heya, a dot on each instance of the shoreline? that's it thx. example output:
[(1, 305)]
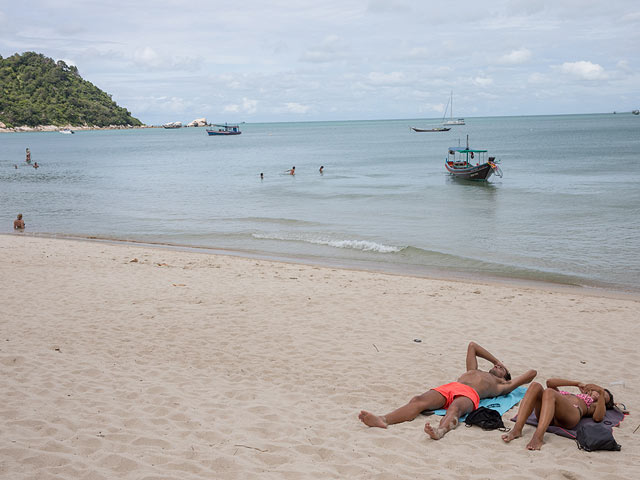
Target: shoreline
[(402, 270), (57, 128)]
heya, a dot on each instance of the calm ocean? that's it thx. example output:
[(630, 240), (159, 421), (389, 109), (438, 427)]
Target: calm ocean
[(567, 209)]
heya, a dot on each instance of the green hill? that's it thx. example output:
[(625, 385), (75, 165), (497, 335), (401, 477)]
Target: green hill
[(36, 90)]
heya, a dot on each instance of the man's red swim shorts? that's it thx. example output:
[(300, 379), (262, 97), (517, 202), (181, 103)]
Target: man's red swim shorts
[(456, 389)]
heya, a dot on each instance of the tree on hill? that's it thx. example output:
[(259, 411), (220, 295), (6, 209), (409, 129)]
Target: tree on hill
[(36, 90)]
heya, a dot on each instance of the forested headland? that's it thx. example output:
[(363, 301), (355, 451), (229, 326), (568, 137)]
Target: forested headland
[(36, 90)]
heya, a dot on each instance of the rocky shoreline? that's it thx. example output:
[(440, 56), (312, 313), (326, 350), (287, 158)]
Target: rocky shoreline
[(57, 128)]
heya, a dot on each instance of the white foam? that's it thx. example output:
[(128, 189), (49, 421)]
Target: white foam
[(363, 245)]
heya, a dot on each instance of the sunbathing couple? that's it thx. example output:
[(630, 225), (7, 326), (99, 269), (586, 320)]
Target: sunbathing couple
[(459, 398)]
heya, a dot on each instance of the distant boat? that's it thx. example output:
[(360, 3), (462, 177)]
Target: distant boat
[(460, 163), (173, 125), (434, 129), (224, 130), (67, 131), (635, 112), (451, 121)]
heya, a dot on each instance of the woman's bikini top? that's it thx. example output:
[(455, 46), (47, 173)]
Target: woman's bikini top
[(582, 396)]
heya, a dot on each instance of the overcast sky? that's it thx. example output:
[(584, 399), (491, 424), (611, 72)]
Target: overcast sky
[(294, 60)]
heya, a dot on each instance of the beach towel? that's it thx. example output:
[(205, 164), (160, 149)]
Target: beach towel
[(612, 418), (501, 404)]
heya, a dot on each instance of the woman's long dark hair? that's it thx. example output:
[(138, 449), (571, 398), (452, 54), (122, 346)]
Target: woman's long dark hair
[(610, 403)]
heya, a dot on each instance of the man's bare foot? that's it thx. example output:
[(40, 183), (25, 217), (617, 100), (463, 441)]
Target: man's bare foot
[(512, 435), (372, 420), (535, 444), (438, 433), (435, 433)]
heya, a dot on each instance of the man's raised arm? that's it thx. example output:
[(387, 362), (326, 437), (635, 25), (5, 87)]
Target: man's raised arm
[(473, 351)]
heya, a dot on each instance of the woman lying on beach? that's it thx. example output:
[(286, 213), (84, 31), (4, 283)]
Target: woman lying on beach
[(559, 408)]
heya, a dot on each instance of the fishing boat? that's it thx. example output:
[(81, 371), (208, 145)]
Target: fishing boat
[(434, 129), (471, 164), (67, 131), (451, 121), (224, 130)]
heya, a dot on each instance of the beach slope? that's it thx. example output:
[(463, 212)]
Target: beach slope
[(128, 362)]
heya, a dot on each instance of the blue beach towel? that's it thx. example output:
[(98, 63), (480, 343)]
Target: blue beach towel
[(501, 404)]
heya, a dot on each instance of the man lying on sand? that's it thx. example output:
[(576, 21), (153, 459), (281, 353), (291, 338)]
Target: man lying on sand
[(459, 398)]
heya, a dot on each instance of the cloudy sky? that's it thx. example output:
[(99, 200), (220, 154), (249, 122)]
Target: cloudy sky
[(295, 60)]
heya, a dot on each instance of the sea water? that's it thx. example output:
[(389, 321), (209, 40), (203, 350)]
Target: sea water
[(567, 209)]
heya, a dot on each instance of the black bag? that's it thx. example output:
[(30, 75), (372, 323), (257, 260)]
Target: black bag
[(486, 418), (595, 436)]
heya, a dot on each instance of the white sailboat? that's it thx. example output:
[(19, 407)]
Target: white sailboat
[(451, 121)]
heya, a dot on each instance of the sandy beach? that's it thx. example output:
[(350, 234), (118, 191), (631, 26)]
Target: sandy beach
[(129, 362)]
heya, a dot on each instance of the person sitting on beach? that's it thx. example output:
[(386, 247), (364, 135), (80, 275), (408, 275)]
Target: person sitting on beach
[(559, 408), (292, 171), (18, 223), (459, 398)]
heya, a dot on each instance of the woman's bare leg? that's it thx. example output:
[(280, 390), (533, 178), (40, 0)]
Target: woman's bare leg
[(532, 400), (430, 400), (554, 407)]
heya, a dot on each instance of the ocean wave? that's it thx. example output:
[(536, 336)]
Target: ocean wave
[(271, 220), (362, 245)]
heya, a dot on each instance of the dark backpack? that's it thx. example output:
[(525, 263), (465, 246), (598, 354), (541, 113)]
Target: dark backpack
[(595, 436), (485, 418)]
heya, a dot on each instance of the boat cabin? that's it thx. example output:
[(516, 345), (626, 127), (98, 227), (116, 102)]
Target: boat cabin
[(466, 157)]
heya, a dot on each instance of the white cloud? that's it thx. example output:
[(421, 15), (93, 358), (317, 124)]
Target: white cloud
[(584, 70), (147, 57), (483, 81), (631, 17), (388, 6), (515, 57), (247, 106), (624, 66), (332, 48), (294, 107), (386, 79), (537, 78)]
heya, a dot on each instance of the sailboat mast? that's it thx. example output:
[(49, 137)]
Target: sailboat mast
[(451, 104)]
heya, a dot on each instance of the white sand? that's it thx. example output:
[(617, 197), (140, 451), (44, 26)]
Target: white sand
[(197, 366)]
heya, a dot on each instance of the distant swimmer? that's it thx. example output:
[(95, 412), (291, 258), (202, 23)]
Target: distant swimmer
[(18, 223), (321, 169), (15, 166), (35, 165), (292, 171), (261, 176), (28, 159)]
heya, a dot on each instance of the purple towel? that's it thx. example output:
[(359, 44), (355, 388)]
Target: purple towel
[(611, 419)]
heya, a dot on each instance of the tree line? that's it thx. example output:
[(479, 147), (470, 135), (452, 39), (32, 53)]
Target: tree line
[(37, 90)]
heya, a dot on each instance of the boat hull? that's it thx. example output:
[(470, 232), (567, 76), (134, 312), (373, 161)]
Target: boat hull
[(436, 129), (478, 172), (222, 133)]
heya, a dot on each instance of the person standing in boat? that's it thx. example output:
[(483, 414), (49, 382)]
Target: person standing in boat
[(28, 159)]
